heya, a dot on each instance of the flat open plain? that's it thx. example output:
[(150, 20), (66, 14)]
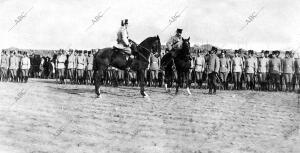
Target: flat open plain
[(43, 117)]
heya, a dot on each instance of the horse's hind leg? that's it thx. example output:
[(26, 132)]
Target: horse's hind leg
[(97, 83), (188, 79), (178, 80), (142, 83)]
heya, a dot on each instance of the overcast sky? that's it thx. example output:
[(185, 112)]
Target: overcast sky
[(54, 24)]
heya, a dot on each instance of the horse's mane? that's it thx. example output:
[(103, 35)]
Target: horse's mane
[(147, 40)]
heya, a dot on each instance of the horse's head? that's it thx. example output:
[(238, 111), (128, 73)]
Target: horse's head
[(186, 46), (150, 45), (156, 45)]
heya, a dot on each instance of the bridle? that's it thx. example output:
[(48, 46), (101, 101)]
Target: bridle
[(149, 51)]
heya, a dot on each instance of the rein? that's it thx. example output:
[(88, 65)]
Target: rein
[(139, 45)]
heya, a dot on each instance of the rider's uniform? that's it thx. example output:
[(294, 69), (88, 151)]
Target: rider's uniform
[(123, 40)]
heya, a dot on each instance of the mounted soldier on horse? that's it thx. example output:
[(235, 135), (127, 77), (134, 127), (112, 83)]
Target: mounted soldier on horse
[(177, 61), (126, 55)]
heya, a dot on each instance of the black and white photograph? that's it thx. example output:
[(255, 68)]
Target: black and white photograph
[(149, 76)]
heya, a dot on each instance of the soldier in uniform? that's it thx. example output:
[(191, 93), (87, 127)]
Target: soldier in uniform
[(275, 71), (60, 63), (13, 66), (175, 43), (199, 68), (263, 70), (213, 65), (192, 71), (19, 71), (41, 67), (85, 55), (75, 69), (288, 69), (81, 63), (236, 69), (297, 71), (4, 65), (154, 68), (90, 72), (25, 66), (250, 70), (71, 66), (224, 69), (123, 41)]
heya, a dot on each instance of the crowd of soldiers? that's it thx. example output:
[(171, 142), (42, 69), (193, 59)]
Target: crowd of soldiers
[(14, 67), (267, 72), (264, 71)]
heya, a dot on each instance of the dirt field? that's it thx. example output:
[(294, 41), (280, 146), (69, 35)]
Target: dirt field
[(43, 117)]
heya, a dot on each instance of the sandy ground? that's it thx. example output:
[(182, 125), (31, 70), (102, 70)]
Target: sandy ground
[(43, 117)]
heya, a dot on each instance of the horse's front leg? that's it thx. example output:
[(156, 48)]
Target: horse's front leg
[(142, 82), (178, 81), (188, 78), (97, 83)]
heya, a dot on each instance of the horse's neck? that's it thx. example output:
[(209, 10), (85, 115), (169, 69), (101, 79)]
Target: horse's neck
[(145, 50)]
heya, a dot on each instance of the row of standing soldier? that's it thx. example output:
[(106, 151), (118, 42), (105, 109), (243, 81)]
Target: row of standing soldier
[(268, 72), (14, 67)]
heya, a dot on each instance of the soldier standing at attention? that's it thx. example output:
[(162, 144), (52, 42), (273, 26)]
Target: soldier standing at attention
[(154, 68), (75, 67), (250, 70), (263, 70), (199, 68), (19, 71), (275, 71), (236, 69), (4, 66), (224, 69), (192, 71), (297, 71), (80, 66), (25, 66), (13, 66), (71, 66), (60, 62), (213, 65), (85, 67), (90, 74), (288, 69)]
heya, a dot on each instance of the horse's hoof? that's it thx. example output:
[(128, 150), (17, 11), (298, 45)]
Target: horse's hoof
[(145, 95), (189, 92), (99, 96)]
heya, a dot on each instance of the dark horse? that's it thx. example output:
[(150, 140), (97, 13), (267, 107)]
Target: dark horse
[(181, 59), (115, 57)]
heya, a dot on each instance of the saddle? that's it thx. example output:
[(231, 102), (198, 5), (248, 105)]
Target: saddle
[(122, 49)]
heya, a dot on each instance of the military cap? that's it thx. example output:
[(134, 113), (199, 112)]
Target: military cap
[(250, 51), (287, 52), (179, 30), (266, 52), (223, 51), (214, 48), (125, 21), (278, 52)]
